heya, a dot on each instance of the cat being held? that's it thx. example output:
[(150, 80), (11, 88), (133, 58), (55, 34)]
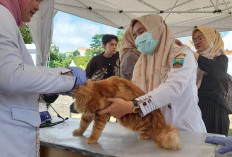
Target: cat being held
[(91, 98)]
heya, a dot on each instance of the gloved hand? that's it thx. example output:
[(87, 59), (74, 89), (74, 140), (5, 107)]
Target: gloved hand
[(226, 142), (79, 74)]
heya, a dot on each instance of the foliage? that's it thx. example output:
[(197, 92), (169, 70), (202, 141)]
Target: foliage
[(97, 47), (120, 34), (26, 34), (58, 59), (93, 51), (76, 53), (96, 41), (61, 60), (81, 61)]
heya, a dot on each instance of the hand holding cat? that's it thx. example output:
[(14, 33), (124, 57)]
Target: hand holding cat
[(118, 107)]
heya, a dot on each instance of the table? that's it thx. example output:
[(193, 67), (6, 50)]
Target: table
[(117, 141)]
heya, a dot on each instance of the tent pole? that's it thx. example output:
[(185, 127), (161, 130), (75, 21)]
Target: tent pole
[(177, 5), (213, 5), (149, 5), (217, 5)]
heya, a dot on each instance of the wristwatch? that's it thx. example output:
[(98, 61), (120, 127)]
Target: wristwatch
[(136, 108)]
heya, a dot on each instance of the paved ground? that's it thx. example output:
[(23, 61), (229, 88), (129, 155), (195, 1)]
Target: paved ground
[(61, 105)]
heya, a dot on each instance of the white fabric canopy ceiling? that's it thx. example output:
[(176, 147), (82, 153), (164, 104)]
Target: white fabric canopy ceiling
[(180, 15)]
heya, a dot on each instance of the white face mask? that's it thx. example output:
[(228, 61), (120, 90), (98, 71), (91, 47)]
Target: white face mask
[(206, 50), (146, 44)]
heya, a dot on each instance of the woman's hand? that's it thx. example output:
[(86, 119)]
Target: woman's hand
[(225, 142), (118, 107)]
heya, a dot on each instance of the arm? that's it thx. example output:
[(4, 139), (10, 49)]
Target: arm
[(167, 92), (172, 88), (216, 68), (17, 76)]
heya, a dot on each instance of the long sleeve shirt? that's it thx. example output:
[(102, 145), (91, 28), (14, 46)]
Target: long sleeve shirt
[(177, 97), (21, 83), (215, 77)]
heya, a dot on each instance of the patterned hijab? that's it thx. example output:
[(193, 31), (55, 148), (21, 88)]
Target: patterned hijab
[(15, 7), (215, 41), (151, 71)]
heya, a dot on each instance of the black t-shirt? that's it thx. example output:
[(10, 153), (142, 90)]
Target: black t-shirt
[(100, 67)]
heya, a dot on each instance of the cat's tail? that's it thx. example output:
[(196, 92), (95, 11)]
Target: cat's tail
[(168, 138)]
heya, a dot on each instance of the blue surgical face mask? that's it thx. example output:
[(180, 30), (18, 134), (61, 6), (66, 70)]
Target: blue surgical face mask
[(146, 44)]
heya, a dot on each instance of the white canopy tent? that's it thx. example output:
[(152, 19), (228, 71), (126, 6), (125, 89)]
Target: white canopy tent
[(181, 15)]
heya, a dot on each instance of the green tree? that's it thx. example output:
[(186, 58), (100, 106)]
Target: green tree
[(58, 59), (96, 41), (26, 34), (120, 34), (81, 61), (94, 51), (96, 46), (76, 53)]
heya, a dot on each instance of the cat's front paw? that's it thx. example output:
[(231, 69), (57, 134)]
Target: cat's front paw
[(77, 132), (91, 140), (144, 136)]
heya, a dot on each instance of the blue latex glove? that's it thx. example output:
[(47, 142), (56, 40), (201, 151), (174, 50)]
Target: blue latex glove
[(79, 74), (225, 142)]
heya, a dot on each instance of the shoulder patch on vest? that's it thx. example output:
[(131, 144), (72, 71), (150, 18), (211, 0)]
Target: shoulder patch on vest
[(179, 60)]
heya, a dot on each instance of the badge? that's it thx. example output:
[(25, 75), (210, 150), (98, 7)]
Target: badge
[(179, 60), (178, 63)]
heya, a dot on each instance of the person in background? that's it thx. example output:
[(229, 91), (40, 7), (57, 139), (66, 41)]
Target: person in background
[(21, 82), (105, 64), (128, 55), (166, 72), (211, 79)]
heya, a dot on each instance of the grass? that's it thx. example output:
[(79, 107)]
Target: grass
[(230, 128), (230, 132)]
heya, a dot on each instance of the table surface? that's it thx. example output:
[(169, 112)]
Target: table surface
[(118, 141)]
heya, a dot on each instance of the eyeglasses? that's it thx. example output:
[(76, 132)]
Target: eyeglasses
[(198, 39)]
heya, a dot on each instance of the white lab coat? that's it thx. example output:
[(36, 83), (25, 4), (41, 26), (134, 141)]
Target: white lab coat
[(177, 97), (20, 85)]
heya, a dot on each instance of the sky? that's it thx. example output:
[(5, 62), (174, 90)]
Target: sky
[(71, 32)]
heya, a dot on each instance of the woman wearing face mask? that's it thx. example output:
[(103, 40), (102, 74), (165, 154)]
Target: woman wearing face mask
[(21, 82), (166, 72), (211, 79)]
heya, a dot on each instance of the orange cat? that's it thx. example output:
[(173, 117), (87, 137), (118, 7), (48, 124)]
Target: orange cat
[(91, 98)]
